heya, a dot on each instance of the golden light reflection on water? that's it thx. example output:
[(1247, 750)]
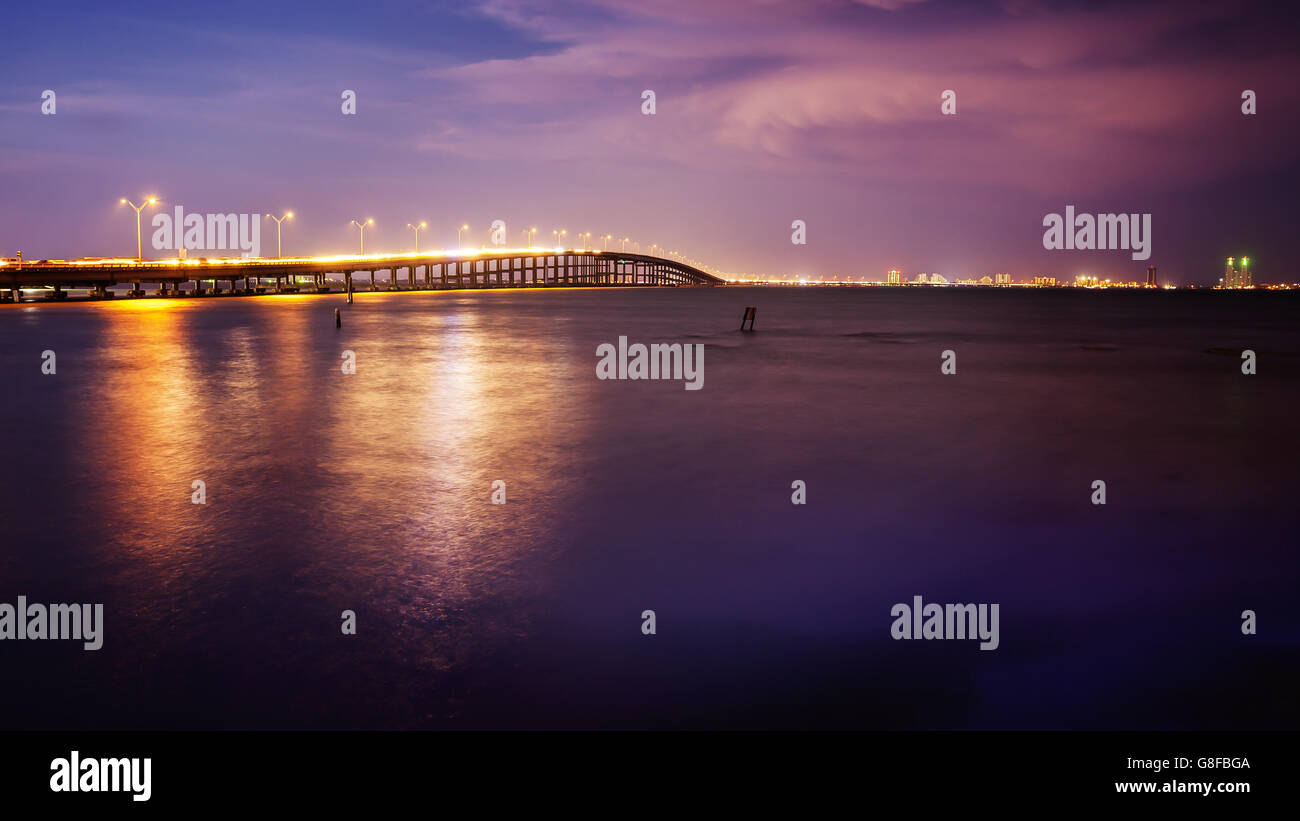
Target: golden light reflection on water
[(442, 405), (369, 490), (144, 398)]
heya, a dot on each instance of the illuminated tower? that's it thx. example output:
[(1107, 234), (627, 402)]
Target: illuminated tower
[(1237, 274), (1151, 276)]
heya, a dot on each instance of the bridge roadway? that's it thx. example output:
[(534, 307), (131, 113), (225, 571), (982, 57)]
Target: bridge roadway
[(520, 268)]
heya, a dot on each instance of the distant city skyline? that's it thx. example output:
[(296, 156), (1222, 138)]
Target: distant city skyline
[(531, 113)]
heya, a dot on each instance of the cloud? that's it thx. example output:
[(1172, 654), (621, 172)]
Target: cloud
[(1046, 101)]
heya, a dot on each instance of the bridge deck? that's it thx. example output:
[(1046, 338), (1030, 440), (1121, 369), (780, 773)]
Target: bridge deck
[(498, 269)]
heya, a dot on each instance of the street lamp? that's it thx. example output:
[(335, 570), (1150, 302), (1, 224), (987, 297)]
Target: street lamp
[(416, 229), (362, 226), (559, 234), (608, 237), (138, 209), (622, 244), (287, 216), (531, 231), (458, 230), (587, 241)]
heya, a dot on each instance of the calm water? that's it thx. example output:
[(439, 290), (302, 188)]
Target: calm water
[(371, 492)]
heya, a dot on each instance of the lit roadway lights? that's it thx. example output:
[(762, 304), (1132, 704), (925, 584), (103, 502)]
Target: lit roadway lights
[(362, 226), (138, 209), (458, 230), (131, 262), (213, 262), (288, 215), (416, 229)]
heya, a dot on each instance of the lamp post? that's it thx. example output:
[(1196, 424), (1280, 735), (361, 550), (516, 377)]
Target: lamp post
[(416, 229), (559, 234), (287, 216), (362, 226), (458, 230), (138, 209)]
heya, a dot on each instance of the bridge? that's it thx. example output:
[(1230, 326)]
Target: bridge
[(519, 268)]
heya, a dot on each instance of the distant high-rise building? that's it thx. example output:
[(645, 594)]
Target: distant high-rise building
[(894, 277), (920, 279), (1002, 279), (1151, 276), (1237, 274)]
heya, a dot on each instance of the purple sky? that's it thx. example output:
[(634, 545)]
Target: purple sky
[(767, 112)]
